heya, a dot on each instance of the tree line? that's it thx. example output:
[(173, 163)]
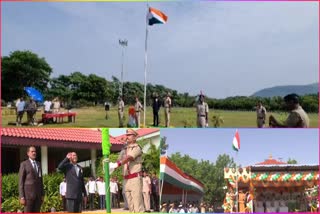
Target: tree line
[(210, 174), (25, 68)]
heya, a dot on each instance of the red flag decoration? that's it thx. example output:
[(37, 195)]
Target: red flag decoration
[(156, 17), (236, 141)]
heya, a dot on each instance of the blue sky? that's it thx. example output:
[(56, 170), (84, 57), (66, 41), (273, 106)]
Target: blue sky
[(256, 145), (117, 132), (222, 48)]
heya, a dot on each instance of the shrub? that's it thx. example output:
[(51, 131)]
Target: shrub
[(10, 186), (10, 192), (11, 204), (51, 201)]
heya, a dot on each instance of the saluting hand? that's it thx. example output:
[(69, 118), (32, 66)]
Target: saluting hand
[(69, 155)]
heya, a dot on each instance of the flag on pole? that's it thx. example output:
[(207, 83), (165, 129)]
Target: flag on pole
[(156, 17), (236, 141)]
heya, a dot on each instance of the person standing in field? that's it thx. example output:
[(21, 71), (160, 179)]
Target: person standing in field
[(261, 115), (202, 109), (167, 109)]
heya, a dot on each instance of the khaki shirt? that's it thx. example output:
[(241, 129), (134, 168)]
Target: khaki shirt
[(121, 106), (261, 113), (146, 184), (297, 118), (134, 166), (202, 109), (137, 106), (167, 102)]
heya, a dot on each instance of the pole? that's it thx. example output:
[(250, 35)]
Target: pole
[(124, 44), (237, 195), (145, 74), (121, 85), (106, 152), (161, 188)]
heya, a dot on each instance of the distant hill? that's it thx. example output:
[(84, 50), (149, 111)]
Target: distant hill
[(287, 89)]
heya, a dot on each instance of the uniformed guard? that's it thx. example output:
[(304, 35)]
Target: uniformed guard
[(167, 109), (261, 115), (121, 111), (132, 172), (202, 112), (297, 117), (138, 108)]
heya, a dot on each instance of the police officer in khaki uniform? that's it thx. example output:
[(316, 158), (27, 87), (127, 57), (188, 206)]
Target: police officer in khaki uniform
[(121, 112), (202, 112), (138, 108), (167, 109), (261, 115), (132, 172), (297, 118)]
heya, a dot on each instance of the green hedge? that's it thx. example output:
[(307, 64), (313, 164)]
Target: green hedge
[(10, 193)]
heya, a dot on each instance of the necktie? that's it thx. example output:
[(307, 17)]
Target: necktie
[(35, 166), (77, 170)]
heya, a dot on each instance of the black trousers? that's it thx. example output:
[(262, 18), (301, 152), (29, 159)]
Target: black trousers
[(114, 200), (102, 202), (64, 203), (155, 118), (155, 198), (74, 205), (91, 201), (33, 206)]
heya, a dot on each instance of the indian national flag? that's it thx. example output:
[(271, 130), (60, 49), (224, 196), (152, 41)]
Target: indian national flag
[(236, 141), (156, 17)]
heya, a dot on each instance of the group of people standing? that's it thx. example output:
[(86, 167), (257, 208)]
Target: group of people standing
[(202, 110), (30, 107), (138, 108), (297, 117)]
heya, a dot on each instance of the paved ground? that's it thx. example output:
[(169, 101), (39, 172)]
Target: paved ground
[(121, 210)]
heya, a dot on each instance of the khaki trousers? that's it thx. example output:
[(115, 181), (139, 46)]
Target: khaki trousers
[(167, 116), (134, 194)]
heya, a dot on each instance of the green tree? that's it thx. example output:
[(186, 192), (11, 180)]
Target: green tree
[(210, 174), (21, 69), (292, 161)]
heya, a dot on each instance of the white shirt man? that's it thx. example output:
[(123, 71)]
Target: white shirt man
[(114, 192), (101, 188), (92, 190), (63, 188), (62, 191), (47, 106)]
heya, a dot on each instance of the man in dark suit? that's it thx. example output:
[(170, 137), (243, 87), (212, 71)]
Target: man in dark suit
[(31, 191), (75, 182), (156, 107)]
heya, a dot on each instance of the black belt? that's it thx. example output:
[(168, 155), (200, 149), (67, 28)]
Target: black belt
[(202, 115), (137, 111)]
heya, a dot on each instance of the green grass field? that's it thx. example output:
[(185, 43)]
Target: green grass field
[(180, 117)]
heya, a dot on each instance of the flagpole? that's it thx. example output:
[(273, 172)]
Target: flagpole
[(145, 73), (237, 183)]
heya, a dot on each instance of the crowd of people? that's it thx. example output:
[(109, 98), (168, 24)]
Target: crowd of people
[(189, 207), (30, 107)]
